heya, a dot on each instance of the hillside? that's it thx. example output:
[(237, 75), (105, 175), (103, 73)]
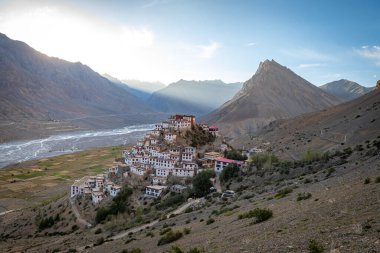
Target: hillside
[(42, 90), (347, 124), (195, 97), (345, 89), (274, 92), (330, 202)]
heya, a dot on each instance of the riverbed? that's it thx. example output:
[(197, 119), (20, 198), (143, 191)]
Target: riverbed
[(21, 151)]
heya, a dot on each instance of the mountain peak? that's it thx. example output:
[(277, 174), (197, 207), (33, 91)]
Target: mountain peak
[(269, 65)]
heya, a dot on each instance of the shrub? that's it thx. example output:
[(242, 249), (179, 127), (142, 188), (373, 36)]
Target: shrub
[(263, 160), (310, 156), (170, 201), (283, 193), (177, 249), (134, 250), (303, 196), (186, 231), (169, 237), (165, 230), (367, 180), (330, 171), (98, 231), (377, 180), (46, 223), (99, 241), (258, 213), (210, 221), (235, 155), (315, 247)]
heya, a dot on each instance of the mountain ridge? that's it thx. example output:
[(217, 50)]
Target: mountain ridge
[(345, 89), (274, 92)]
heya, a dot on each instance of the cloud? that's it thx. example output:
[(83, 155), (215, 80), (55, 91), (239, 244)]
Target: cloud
[(208, 51), (370, 53), (309, 65), (251, 44), (307, 54)]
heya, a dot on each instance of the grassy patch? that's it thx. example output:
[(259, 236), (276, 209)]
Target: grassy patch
[(283, 193), (259, 214)]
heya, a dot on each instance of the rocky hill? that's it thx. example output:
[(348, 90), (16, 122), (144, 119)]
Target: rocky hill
[(274, 92), (345, 89), (195, 97), (35, 87), (347, 124)]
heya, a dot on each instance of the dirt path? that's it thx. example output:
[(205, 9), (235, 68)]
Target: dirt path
[(217, 185), (77, 214), (142, 227)]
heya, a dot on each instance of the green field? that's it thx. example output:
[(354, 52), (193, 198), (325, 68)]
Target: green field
[(33, 182)]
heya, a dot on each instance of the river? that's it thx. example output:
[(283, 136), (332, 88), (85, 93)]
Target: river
[(21, 151)]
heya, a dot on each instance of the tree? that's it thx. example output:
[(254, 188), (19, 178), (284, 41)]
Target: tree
[(235, 155), (230, 171), (202, 183)]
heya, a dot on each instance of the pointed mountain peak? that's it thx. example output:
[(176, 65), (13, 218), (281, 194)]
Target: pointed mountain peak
[(269, 65)]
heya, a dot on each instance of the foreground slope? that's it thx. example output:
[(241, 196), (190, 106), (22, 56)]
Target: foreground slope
[(196, 97), (35, 87), (274, 92), (345, 89)]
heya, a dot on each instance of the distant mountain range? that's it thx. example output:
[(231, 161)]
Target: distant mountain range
[(37, 87), (345, 89), (196, 97), (274, 92), (136, 91)]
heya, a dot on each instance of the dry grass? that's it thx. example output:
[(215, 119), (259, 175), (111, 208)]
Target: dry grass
[(34, 181)]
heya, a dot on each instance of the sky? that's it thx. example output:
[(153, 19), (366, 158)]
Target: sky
[(168, 40)]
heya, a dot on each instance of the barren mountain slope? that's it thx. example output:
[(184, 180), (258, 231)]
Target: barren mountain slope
[(346, 89), (346, 124), (274, 92)]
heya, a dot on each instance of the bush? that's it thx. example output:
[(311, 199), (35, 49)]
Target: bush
[(177, 249), (186, 231), (165, 230), (235, 155), (303, 196), (210, 221), (134, 250), (98, 231), (230, 171), (169, 237), (367, 180), (377, 180), (170, 201), (99, 241), (258, 213), (264, 160), (283, 193), (315, 247), (310, 156), (330, 171), (46, 223)]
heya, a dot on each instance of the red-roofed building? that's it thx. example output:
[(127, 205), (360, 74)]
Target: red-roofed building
[(214, 130), (221, 163)]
